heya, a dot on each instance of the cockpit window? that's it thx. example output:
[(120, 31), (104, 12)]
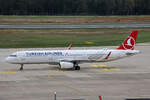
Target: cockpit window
[(13, 55)]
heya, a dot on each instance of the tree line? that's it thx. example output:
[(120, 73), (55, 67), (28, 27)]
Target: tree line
[(74, 7)]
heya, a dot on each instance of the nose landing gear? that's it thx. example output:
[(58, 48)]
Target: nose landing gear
[(21, 68)]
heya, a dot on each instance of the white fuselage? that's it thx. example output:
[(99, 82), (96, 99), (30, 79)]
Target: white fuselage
[(57, 56)]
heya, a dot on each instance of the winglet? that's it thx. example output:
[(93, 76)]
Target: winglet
[(129, 43), (70, 46)]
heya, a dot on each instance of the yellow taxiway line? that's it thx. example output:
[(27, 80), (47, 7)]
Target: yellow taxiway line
[(59, 71), (106, 67), (111, 69), (9, 72), (100, 66)]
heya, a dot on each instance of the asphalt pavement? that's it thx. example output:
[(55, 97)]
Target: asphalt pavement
[(116, 80), (76, 26)]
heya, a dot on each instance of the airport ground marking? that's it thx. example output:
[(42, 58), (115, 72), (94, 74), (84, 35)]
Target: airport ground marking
[(106, 67), (9, 72), (100, 66), (59, 71), (111, 69)]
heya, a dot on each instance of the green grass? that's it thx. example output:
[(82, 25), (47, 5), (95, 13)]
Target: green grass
[(36, 40)]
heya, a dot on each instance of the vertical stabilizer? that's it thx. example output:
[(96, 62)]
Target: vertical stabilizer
[(129, 43)]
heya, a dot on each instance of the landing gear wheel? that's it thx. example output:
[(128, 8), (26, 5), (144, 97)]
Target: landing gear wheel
[(77, 67), (21, 68)]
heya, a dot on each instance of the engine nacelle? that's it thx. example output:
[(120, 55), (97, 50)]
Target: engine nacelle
[(66, 64)]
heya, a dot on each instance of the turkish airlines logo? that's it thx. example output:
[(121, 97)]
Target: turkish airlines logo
[(129, 43)]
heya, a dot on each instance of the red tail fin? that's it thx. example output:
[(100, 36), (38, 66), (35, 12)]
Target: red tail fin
[(129, 43)]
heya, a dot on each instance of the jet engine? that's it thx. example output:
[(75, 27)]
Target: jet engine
[(66, 65)]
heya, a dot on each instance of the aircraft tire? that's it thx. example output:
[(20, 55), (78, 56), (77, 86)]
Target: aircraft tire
[(77, 67), (21, 68)]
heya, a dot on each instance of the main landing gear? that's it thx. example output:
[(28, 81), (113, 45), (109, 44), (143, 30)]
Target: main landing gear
[(21, 68), (76, 66)]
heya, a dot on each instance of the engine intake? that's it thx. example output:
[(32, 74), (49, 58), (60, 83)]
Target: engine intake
[(66, 65)]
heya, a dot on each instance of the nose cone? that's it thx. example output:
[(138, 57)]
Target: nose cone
[(11, 60), (8, 60)]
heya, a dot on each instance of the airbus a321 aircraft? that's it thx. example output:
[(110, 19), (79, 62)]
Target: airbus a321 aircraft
[(71, 58)]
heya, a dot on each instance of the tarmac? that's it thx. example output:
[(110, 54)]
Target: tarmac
[(75, 26), (117, 80)]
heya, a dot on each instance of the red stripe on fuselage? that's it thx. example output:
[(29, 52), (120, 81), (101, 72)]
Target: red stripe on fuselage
[(108, 55)]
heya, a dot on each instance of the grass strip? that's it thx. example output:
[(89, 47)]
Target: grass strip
[(26, 38)]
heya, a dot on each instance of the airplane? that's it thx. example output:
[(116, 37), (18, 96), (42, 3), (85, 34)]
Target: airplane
[(72, 58)]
